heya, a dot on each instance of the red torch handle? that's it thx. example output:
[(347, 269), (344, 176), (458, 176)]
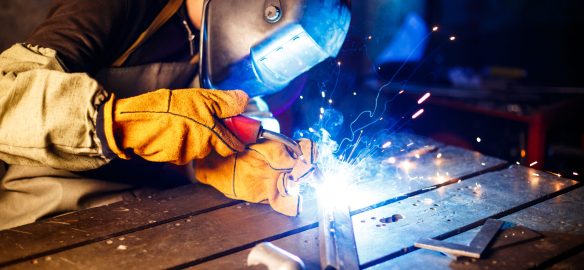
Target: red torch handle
[(246, 129)]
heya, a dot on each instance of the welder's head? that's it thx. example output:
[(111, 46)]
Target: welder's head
[(261, 45)]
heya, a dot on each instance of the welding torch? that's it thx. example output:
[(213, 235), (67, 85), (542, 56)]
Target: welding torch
[(337, 241), (249, 130)]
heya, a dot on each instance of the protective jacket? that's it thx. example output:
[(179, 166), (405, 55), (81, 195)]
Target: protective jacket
[(51, 87)]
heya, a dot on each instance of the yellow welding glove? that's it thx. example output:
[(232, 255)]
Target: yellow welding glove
[(267, 172), (172, 126)]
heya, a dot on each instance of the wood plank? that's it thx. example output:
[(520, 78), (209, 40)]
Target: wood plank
[(221, 232), (558, 219), (304, 244), (450, 208), (96, 224), (573, 262)]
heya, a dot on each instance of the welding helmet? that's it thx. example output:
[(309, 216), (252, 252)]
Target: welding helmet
[(259, 46)]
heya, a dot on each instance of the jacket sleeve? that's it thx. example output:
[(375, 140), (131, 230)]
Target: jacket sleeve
[(47, 116)]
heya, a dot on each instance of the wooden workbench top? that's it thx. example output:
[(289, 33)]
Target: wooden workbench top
[(446, 195)]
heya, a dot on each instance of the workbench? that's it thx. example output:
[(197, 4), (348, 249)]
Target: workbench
[(447, 195)]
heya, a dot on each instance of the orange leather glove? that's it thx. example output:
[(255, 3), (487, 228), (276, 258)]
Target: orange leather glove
[(266, 172), (172, 126)]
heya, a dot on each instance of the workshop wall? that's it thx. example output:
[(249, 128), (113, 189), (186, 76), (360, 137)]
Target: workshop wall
[(18, 18)]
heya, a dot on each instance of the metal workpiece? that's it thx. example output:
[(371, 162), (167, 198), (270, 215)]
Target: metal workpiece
[(336, 238), (476, 247)]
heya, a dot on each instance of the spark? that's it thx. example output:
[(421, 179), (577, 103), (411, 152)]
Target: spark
[(401, 92), (517, 162), (378, 68), (354, 93), (311, 130), (417, 156), (355, 146), (435, 28), (339, 63), (479, 139), (575, 173), (321, 110), (440, 178), (409, 144), (369, 37), (301, 97), (523, 153), (439, 155), (423, 98), (532, 164), (483, 164), (386, 145), (391, 160), (452, 38), (418, 113), (330, 101), (536, 174), (477, 187), (406, 165), (323, 94)]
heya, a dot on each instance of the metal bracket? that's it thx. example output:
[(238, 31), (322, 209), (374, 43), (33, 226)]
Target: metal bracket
[(476, 247)]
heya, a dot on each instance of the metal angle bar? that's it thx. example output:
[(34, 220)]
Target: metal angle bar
[(337, 241), (476, 247), (336, 237)]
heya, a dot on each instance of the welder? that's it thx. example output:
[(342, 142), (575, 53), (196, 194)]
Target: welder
[(109, 95)]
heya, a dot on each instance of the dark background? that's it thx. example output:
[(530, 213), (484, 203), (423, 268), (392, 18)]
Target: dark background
[(519, 86), (513, 76)]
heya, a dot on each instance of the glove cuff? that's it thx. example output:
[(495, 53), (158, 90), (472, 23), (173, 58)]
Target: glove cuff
[(105, 130)]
